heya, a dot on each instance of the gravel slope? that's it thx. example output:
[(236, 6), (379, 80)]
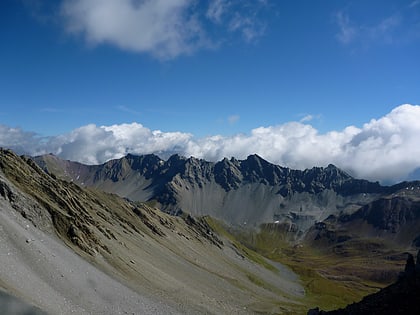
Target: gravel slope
[(42, 271)]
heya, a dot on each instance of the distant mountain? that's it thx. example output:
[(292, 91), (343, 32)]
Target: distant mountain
[(241, 192)]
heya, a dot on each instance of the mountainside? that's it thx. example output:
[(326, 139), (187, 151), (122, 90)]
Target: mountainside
[(67, 249), (247, 192)]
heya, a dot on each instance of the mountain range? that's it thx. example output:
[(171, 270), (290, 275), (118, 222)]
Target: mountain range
[(253, 191), (188, 236)]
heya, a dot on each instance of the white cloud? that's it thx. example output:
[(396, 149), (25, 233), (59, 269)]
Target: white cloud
[(388, 147), (92, 144), (164, 28), (385, 149), (21, 141)]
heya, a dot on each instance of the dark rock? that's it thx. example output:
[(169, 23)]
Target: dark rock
[(416, 241), (314, 311), (410, 267)]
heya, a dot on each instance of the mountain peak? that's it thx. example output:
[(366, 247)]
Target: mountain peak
[(255, 157)]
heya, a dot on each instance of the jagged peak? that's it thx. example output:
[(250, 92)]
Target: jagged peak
[(331, 170), (225, 161), (141, 159), (194, 160), (334, 168), (177, 157), (255, 157)]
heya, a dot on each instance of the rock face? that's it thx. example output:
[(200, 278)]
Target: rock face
[(401, 297), (242, 192)]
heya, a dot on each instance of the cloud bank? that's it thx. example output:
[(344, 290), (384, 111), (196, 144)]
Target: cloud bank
[(165, 29), (385, 149)]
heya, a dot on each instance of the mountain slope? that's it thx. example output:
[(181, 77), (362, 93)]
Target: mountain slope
[(153, 262)]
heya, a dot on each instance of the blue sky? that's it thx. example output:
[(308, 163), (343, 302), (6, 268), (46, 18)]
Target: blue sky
[(202, 69)]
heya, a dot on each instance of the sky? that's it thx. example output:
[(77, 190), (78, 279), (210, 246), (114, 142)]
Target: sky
[(302, 83)]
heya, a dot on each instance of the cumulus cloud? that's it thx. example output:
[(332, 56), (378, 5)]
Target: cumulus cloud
[(162, 27), (22, 141), (165, 29), (384, 149), (92, 144)]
